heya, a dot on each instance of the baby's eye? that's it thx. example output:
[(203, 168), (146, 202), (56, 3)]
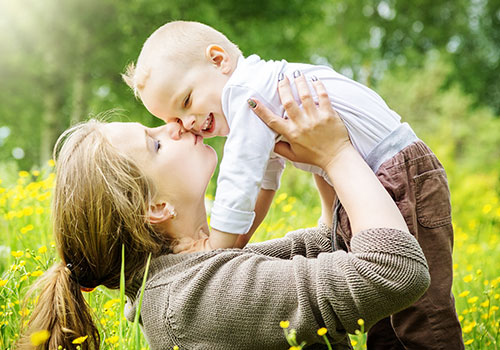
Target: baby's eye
[(186, 101), (157, 145)]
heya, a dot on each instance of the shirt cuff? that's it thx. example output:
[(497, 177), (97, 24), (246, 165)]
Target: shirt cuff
[(231, 220)]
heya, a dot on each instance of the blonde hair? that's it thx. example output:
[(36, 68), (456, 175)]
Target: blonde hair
[(100, 203), (181, 40)]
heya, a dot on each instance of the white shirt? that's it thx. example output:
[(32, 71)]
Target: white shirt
[(249, 162)]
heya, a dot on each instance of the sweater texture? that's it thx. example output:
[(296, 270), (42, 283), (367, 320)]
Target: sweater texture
[(236, 298)]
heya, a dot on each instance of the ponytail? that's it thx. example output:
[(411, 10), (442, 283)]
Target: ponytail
[(61, 310)]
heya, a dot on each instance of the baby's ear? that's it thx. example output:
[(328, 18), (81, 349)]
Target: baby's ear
[(161, 212), (219, 57)]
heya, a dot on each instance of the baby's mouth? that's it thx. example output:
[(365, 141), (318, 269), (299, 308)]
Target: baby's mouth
[(209, 124)]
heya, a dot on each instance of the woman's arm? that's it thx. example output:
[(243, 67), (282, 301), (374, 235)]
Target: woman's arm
[(231, 297), (316, 135)]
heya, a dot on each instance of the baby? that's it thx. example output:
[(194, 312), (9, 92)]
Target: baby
[(191, 73)]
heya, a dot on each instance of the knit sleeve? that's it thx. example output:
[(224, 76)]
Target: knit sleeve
[(239, 298), (308, 242)]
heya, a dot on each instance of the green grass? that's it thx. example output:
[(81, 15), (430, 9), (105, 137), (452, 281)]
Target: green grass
[(27, 249)]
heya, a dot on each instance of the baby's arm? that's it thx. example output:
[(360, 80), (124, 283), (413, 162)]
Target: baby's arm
[(220, 239), (327, 195), (264, 200)]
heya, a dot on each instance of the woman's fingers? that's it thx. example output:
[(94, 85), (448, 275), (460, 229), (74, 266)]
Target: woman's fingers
[(273, 121), (286, 96), (323, 98), (305, 94)]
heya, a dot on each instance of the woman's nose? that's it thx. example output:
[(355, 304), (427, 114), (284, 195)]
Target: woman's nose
[(172, 130)]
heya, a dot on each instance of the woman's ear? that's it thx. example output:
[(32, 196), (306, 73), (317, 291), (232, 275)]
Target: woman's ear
[(161, 212), (219, 57)]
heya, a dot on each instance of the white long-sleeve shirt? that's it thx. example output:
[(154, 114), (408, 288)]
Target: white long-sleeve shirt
[(249, 162)]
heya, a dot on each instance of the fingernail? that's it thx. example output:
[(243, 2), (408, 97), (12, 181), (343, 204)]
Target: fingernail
[(296, 74), (314, 78), (281, 76), (251, 103)]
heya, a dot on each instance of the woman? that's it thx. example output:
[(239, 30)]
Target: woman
[(123, 183)]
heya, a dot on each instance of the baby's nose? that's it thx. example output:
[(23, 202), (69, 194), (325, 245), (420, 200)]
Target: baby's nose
[(188, 121)]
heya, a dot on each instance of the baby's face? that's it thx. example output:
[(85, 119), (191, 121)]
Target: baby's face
[(191, 95)]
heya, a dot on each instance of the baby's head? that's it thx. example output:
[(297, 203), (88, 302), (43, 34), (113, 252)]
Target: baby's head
[(180, 74)]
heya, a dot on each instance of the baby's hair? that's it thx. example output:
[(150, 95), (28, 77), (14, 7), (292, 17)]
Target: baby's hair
[(183, 40), (100, 203)]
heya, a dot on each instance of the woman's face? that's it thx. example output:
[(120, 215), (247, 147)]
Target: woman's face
[(178, 162)]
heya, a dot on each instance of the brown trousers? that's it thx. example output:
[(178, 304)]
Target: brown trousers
[(417, 182)]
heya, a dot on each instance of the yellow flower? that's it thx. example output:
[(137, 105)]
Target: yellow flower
[(287, 208), (27, 228), (112, 340), (468, 328), (42, 249), (80, 340), (51, 163), (468, 342), (322, 331), (486, 303), (23, 278), (361, 322), (464, 294), (39, 211), (37, 273), (23, 173), (285, 324), (110, 303), (36, 172), (3, 282), (40, 337), (487, 208), (17, 254), (468, 278), (472, 300)]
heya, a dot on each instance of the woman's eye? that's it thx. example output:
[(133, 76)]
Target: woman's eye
[(157, 145)]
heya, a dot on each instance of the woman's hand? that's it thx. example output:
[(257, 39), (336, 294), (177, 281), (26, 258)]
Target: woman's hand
[(315, 134)]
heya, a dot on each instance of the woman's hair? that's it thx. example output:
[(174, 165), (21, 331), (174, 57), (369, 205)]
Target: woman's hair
[(100, 203)]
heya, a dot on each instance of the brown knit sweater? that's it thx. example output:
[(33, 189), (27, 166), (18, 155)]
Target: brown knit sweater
[(236, 298)]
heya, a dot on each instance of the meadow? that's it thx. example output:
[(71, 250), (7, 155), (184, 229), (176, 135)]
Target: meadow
[(27, 250)]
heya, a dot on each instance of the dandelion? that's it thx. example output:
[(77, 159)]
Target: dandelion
[(40, 337), (486, 303), (17, 254), (23, 173), (42, 249), (37, 273), (51, 163), (27, 228), (468, 278), (112, 340), (285, 324), (3, 282), (80, 340), (287, 208), (322, 331), (464, 294), (468, 342), (472, 300)]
